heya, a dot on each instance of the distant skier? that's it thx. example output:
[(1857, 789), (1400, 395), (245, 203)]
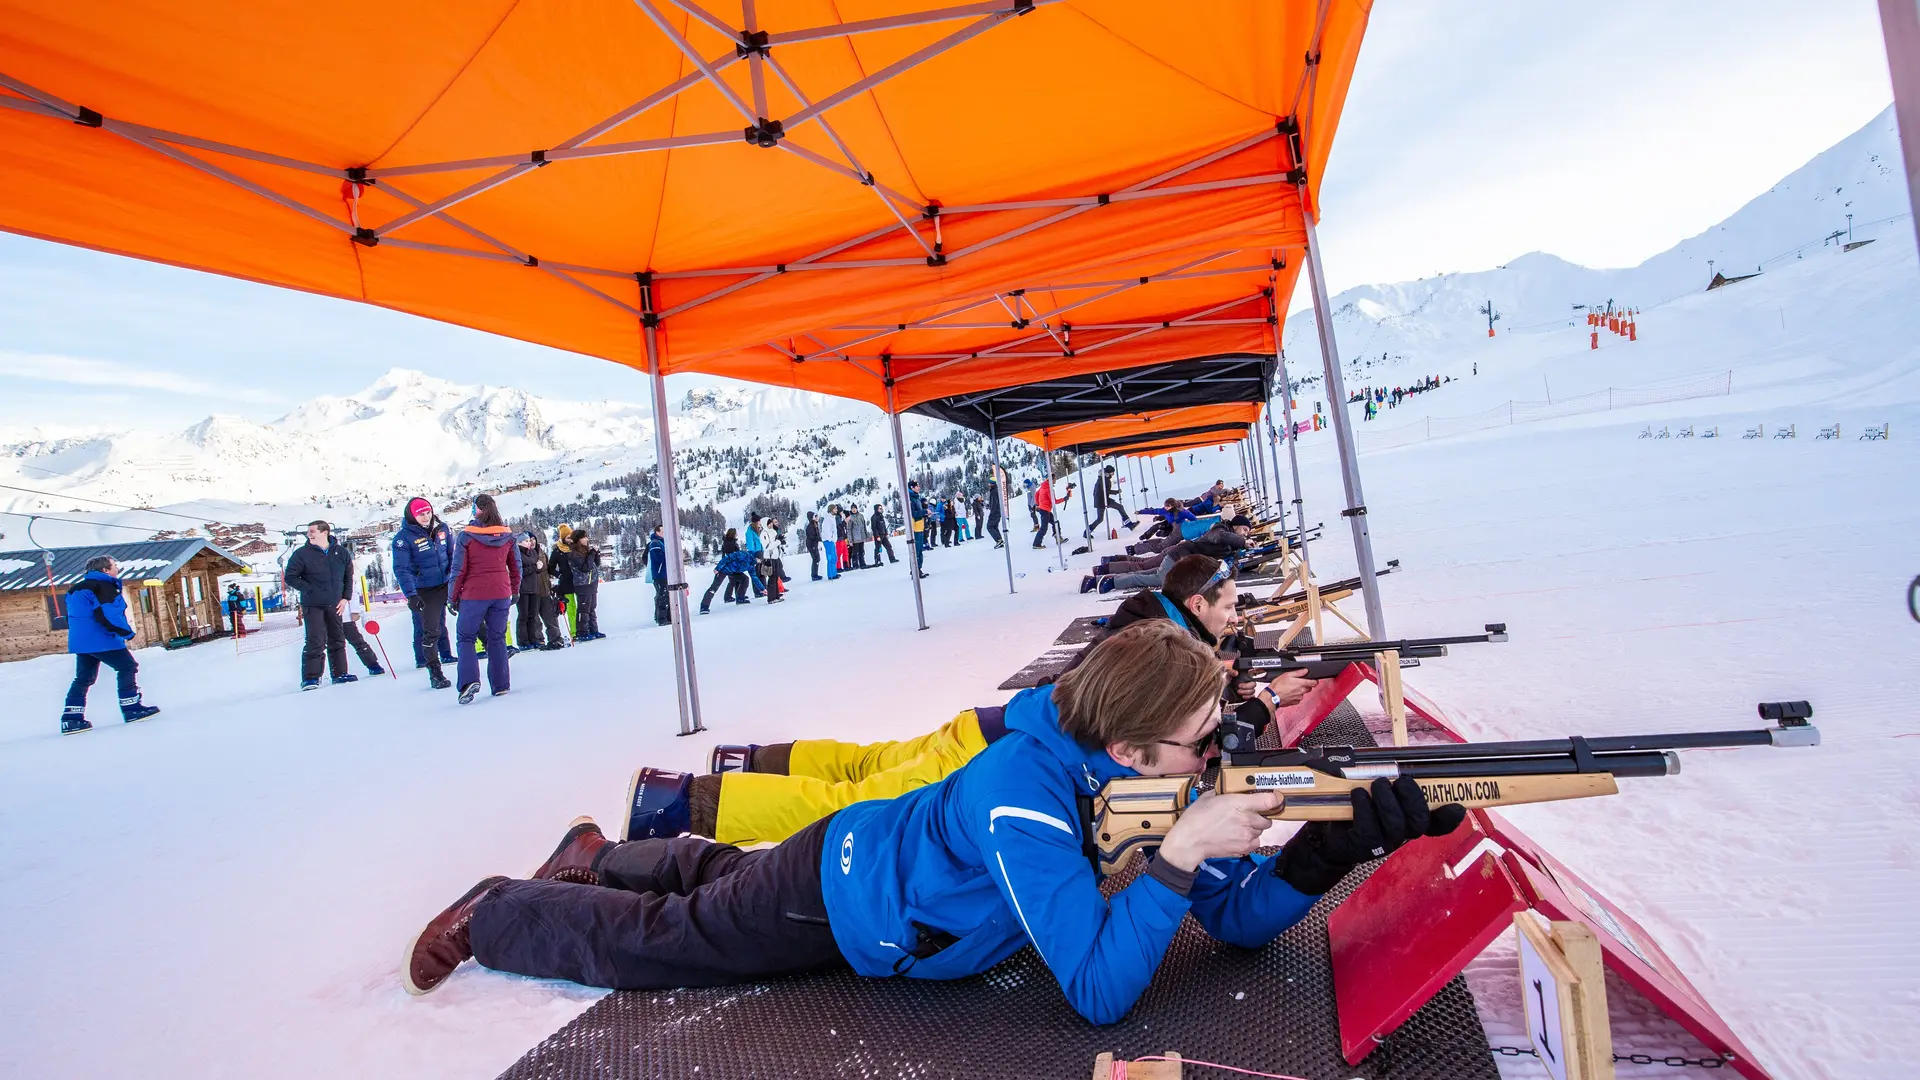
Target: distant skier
[(97, 633)]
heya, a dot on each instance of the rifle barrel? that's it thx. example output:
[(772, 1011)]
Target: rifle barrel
[(1535, 748)]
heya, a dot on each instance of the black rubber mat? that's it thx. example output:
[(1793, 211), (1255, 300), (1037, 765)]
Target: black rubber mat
[(1045, 666), (1082, 630), (1270, 1009)]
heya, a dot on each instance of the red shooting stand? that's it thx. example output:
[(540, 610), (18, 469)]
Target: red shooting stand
[(1390, 953), (1295, 722)]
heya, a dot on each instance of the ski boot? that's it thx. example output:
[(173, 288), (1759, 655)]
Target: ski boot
[(657, 804), (731, 757), (74, 721), (347, 678)]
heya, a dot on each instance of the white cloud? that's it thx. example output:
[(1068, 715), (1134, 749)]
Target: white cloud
[(112, 374)]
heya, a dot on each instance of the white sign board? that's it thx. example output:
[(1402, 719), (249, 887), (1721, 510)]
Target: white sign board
[(1540, 990)]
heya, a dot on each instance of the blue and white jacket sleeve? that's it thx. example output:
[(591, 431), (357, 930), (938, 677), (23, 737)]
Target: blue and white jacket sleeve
[(1103, 953), (403, 563), (1241, 902)]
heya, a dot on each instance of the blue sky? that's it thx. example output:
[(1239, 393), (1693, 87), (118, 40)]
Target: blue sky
[(1603, 133)]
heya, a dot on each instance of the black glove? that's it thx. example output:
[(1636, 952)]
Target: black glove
[(1396, 811), (414, 603), (453, 606)]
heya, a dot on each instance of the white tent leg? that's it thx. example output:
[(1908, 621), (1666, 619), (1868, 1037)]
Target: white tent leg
[(686, 679), (906, 506), (1356, 511)]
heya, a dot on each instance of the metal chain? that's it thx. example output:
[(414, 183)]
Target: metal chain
[(1674, 1060)]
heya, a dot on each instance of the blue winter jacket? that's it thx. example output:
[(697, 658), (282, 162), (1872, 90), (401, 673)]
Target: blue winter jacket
[(1171, 517), (752, 543), (657, 559), (992, 856), (734, 562), (97, 615), (422, 558)]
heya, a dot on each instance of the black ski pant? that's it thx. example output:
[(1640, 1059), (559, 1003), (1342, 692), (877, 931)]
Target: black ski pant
[(673, 912), (529, 632), (1043, 522), (814, 550), (884, 543), (662, 614), (588, 598), (351, 630), (993, 526), (432, 645), (326, 643), (1110, 504)]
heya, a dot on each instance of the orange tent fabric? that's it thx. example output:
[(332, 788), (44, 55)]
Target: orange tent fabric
[(963, 197), (1142, 424)]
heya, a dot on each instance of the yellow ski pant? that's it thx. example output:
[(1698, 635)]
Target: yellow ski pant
[(824, 776)]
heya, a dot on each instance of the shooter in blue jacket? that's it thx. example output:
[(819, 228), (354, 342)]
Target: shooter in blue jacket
[(949, 879), (98, 633)]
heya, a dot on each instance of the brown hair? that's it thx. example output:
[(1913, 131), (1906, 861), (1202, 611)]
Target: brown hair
[(485, 512), (1137, 687)]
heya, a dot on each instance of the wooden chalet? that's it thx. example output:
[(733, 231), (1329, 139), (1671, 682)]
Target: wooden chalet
[(171, 588)]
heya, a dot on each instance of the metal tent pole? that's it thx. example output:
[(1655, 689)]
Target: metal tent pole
[(1086, 511), (1900, 26), (906, 504), (1053, 493), (1273, 460), (1286, 416), (1356, 511), (1260, 461), (1001, 500), (686, 677)]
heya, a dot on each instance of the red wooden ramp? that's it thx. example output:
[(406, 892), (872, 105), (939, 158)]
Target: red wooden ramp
[(1437, 903)]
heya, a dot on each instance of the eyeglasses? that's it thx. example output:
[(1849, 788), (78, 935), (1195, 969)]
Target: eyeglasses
[(1199, 746)]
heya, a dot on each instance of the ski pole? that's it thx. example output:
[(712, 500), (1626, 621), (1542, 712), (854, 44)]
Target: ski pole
[(374, 629)]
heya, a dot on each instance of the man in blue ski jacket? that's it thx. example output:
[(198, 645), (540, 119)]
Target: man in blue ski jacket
[(98, 633), (949, 879), (657, 574)]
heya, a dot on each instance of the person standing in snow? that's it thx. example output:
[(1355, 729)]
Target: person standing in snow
[(1106, 496), (657, 575), (731, 570), (994, 499), (753, 544), (319, 573), (859, 532), (830, 539), (775, 556), (486, 577), (979, 516), (813, 540), (586, 586), (538, 626), (356, 608), (882, 536), (560, 565), (97, 633), (917, 515), (422, 564)]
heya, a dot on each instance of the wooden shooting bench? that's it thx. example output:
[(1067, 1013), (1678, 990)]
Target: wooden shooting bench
[(1270, 1009)]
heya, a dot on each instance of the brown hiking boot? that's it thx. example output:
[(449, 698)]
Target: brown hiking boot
[(573, 859), (444, 945)]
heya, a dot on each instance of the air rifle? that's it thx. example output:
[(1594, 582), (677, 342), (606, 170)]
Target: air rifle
[(1248, 600), (1133, 813)]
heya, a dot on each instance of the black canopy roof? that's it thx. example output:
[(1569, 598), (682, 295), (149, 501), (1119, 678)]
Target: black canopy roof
[(1200, 380), (1126, 443)]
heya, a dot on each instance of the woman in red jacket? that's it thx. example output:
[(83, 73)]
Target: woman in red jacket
[(486, 577)]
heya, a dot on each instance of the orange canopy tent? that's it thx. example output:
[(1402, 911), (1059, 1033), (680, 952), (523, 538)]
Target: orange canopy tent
[(1110, 429), (885, 200)]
